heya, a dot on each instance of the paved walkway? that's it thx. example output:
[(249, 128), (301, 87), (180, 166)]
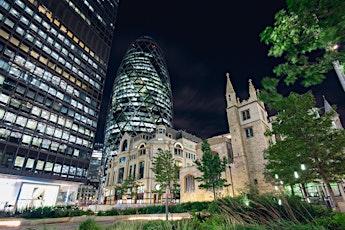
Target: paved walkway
[(73, 222)]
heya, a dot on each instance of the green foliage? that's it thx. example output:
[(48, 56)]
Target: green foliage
[(189, 207), (211, 167), (304, 35), (152, 209), (158, 224), (90, 224), (54, 212), (304, 137), (334, 220), (129, 184), (112, 212), (166, 169)]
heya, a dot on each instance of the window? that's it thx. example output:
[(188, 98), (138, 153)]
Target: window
[(121, 172), (141, 169), (142, 150), (134, 170), (245, 115), (249, 132), (178, 150), (122, 159), (190, 184), (124, 145)]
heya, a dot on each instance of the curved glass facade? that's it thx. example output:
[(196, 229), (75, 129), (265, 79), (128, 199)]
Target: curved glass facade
[(141, 96)]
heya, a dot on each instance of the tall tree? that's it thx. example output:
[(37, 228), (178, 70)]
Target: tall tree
[(310, 36), (167, 173), (166, 169), (211, 167), (307, 137)]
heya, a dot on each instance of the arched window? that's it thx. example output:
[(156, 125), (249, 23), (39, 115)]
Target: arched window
[(142, 150), (178, 150), (190, 183), (124, 146)]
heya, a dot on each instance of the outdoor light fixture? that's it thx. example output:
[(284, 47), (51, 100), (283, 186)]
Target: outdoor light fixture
[(296, 174), (303, 167)]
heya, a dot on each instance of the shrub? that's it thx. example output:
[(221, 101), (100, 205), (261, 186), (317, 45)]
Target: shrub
[(90, 224), (53, 212), (157, 224), (334, 220)]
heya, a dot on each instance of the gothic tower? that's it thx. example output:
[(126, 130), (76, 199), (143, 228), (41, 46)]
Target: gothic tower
[(248, 123)]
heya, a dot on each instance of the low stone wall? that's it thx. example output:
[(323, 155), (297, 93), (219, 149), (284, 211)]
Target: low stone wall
[(100, 207)]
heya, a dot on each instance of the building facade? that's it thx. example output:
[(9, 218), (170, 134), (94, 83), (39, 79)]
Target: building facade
[(141, 97), (248, 122), (135, 158), (53, 63), (243, 147)]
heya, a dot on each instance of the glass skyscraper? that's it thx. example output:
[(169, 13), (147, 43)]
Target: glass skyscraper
[(141, 96), (53, 62)]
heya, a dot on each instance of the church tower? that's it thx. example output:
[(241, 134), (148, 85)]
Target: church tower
[(248, 123)]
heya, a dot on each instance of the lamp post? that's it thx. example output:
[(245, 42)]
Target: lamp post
[(303, 168), (302, 185), (166, 203)]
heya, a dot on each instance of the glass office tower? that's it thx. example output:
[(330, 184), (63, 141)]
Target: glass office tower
[(53, 63), (141, 96)]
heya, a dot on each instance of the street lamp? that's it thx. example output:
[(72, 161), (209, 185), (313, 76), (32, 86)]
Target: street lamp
[(296, 174)]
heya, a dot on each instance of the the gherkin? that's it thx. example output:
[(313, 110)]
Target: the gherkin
[(141, 96)]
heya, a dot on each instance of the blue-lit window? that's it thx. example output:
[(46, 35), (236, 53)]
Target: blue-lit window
[(24, 20), (122, 160)]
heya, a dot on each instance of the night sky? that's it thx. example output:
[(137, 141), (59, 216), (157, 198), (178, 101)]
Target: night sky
[(202, 42)]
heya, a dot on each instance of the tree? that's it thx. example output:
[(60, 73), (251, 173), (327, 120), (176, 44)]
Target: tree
[(166, 169), (211, 167), (305, 35), (167, 173), (306, 137), (129, 186)]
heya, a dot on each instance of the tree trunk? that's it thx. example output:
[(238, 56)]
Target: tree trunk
[(305, 194), (214, 192), (330, 192)]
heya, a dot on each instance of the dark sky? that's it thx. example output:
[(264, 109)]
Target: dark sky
[(201, 42)]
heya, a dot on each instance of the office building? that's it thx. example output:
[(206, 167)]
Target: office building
[(53, 63), (141, 97)]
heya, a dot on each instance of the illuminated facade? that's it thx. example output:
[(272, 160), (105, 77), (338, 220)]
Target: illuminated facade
[(53, 63), (135, 157), (141, 96)]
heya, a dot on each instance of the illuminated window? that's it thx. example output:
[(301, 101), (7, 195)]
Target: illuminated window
[(39, 165), (32, 124), (10, 117), (26, 139), (30, 163), (36, 141), (41, 127), (249, 132), (19, 162), (57, 168)]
